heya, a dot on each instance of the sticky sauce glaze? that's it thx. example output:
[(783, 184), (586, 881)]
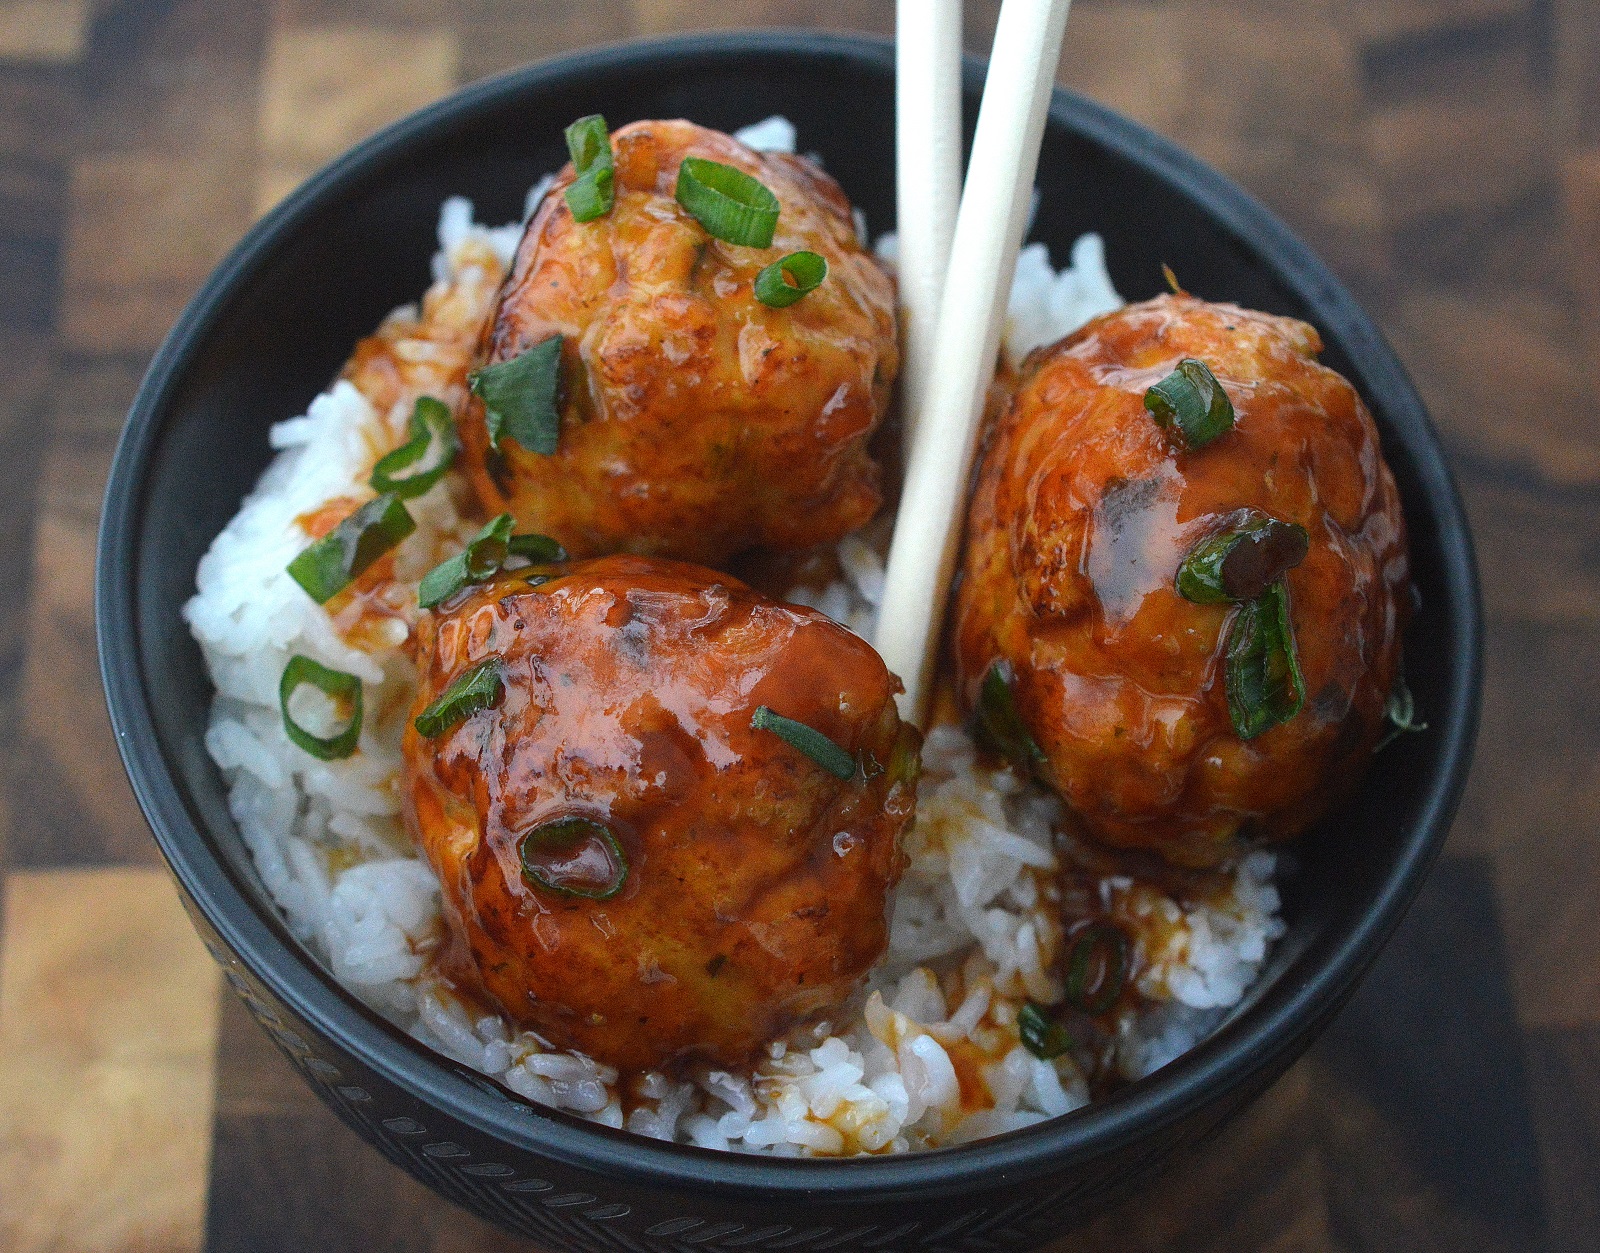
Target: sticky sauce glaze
[(1084, 510), (757, 884), (696, 421)]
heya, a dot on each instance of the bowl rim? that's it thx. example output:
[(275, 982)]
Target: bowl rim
[(1222, 1063)]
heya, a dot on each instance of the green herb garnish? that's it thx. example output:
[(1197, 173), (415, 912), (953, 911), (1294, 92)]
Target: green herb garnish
[(1190, 404), (592, 193), (483, 558), (999, 723), (1241, 561), (345, 691), (574, 857), (541, 550), (1401, 711), (1041, 1035), (1097, 968), (730, 204), (469, 692), (1265, 687), (327, 566), (905, 762), (813, 743), (521, 397), (789, 278), (430, 424)]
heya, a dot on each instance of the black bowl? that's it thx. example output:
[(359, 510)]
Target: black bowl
[(272, 326)]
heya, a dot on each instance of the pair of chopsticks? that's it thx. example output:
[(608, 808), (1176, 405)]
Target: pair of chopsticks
[(956, 267)]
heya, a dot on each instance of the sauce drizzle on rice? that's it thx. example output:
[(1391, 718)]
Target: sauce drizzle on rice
[(929, 1052)]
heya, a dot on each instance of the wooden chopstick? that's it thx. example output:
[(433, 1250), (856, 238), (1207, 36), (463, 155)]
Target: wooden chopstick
[(927, 111), (989, 228)]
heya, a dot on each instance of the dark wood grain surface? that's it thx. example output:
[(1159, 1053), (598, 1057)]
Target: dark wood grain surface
[(1444, 155)]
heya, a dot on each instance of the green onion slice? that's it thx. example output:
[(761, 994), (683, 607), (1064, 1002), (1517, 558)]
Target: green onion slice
[(813, 743), (1191, 404), (1241, 561), (1097, 968), (905, 762), (481, 559), (470, 691), (1042, 1035), (728, 202), (327, 566), (431, 425), (999, 723), (344, 689), (593, 192), (589, 143), (574, 857), (591, 195), (521, 397), (789, 278), (541, 550), (1265, 687), (1401, 711)]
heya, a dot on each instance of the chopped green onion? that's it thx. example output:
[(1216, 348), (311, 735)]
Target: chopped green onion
[(430, 422), (470, 691), (327, 566), (589, 143), (591, 195), (1041, 1035), (593, 191), (1242, 561), (541, 550), (520, 397), (905, 762), (1097, 968), (574, 857), (729, 203), (1401, 711), (344, 689), (789, 278), (481, 559), (999, 723), (1191, 404), (813, 743), (1265, 687)]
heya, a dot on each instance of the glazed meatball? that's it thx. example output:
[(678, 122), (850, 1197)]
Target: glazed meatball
[(634, 868), (696, 422), (1084, 510)]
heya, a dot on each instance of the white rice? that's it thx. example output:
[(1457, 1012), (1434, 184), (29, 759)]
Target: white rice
[(977, 923)]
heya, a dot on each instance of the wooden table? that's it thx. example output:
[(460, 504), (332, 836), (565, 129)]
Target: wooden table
[(1444, 155)]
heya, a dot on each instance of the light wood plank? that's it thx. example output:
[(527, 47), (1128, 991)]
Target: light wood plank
[(49, 31), (143, 231), (326, 87), (108, 1022)]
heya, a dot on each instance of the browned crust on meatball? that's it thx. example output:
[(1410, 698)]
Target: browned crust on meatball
[(1084, 509), (757, 892), (696, 421)]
